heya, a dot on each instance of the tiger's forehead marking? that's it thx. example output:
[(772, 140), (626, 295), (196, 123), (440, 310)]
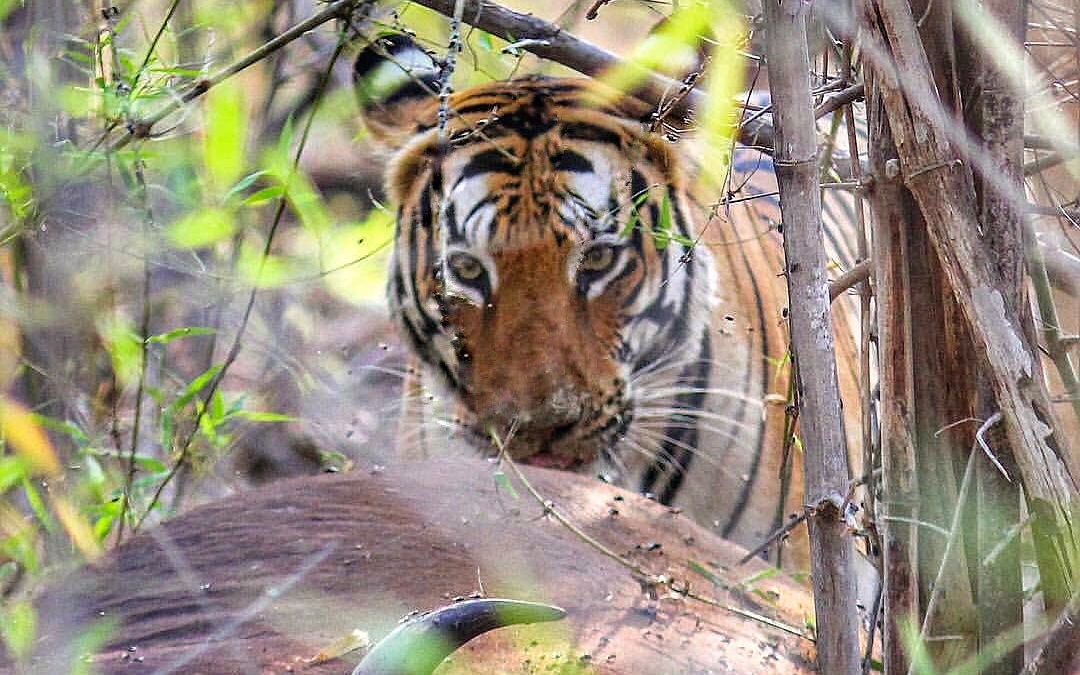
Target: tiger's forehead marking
[(513, 194)]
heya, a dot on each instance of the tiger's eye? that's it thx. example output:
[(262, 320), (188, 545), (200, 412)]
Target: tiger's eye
[(597, 258), (466, 267)]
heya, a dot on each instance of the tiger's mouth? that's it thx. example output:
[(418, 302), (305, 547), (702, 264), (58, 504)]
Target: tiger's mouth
[(575, 446)]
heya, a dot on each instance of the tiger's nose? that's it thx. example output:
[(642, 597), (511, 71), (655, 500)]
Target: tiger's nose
[(558, 411)]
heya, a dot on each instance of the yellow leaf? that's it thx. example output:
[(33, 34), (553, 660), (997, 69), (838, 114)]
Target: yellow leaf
[(78, 530), (21, 433)]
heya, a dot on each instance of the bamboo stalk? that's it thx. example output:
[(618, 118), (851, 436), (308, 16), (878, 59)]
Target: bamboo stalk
[(825, 464)]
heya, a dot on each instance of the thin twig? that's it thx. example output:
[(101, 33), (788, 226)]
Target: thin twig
[(776, 536), (840, 99), (144, 352), (994, 419), (550, 41), (635, 569)]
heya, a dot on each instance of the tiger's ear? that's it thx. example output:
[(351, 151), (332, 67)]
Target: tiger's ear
[(396, 83)]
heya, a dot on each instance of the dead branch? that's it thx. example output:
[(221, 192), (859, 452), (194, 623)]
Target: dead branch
[(930, 169), (854, 276), (551, 42)]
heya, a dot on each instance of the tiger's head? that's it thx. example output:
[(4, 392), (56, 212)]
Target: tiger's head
[(543, 264)]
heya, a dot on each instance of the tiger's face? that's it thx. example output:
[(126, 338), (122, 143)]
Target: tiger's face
[(543, 257)]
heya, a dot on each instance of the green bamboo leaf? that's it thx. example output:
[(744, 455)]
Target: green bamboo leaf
[(664, 228), (151, 465), (187, 331), (503, 483), (13, 470), (124, 347), (201, 228), (217, 408), (704, 571), (671, 48), (264, 195), (259, 416), (193, 388), (225, 134), (243, 184), (37, 505), (61, 426)]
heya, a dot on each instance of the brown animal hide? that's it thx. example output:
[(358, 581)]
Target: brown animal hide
[(262, 581)]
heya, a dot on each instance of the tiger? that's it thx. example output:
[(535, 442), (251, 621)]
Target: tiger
[(559, 282)]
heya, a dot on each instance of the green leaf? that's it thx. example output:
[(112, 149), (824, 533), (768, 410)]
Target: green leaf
[(663, 228), (193, 388), (670, 49), (307, 203), (217, 407), (63, 427), (92, 472), (243, 184), (356, 253), (258, 416), (502, 482), (704, 571), (304, 200), (151, 464), (37, 505), (166, 338), (634, 218), (19, 628), (226, 134), (90, 641), (109, 512), (201, 228), (767, 573), (178, 72), (723, 84), (124, 347), (168, 429), (13, 470), (263, 271), (22, 548), (264, 195)]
